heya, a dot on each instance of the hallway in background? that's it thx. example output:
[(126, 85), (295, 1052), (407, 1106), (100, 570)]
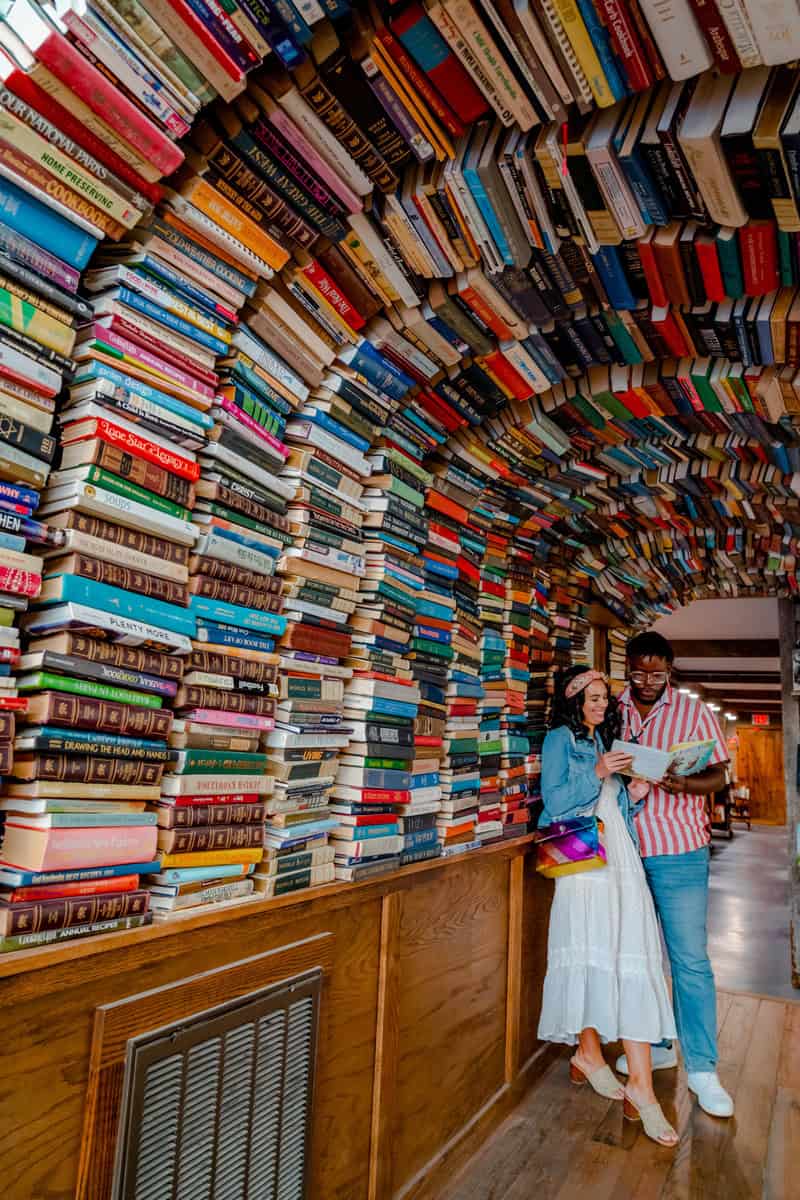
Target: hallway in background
[(748, 924)]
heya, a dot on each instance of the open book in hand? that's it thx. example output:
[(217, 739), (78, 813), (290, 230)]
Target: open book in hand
[(684, 758)]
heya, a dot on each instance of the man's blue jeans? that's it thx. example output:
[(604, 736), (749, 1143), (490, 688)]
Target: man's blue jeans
[(679, 883)]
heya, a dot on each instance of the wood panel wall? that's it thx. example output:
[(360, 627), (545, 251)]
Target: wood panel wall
[(759, 765), (433, 983)]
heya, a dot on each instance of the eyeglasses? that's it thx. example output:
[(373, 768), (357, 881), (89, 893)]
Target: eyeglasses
[(640, 677)]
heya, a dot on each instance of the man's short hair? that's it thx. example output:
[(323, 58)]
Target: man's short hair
[(650, 645)]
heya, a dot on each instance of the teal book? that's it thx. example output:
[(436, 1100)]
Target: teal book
[(234, 614), (75, 820), (730, 263), (63, 589)]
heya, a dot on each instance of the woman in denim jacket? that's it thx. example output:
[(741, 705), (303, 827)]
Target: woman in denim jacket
[(605, 980)]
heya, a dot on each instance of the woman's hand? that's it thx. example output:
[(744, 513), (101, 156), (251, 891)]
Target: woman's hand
[(611, 762), (638, 789)]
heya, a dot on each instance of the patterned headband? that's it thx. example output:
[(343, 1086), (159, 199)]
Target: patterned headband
[(579, 682)]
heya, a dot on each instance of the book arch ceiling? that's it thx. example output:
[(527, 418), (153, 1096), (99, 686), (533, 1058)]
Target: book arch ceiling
[(345, 353)]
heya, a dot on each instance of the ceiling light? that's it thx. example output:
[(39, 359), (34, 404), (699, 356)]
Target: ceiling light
[(714, 707), (694, 695), (684, 690), (730, 716)]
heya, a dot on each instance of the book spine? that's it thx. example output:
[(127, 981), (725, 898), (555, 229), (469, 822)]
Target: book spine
[(198, 840), (87, 592), (38, 916), (134, 539), (145, 474), (678, 37), (230, 169), (737, 23), (232, 593), (125, 657), (160, 456), (716, 35), (19, 583), (192, 697), (130, 580), (323, 102), (54, 233), (105, 716), (86, 768), (420, 81), (32, 441), (188, 816)]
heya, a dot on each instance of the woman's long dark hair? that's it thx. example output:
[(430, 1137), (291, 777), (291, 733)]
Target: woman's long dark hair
[(570, 712)]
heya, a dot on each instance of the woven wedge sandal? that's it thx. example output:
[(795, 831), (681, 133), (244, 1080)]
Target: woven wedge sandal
[(654, 1123), (603, 1080)]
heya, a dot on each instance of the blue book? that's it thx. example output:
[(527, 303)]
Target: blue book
[(242, 539), (93, 369), (13, 877), (235, 614), (76, 590), (609, 268), (336, 428), (648, 196), (164, 317), (54, 233), (90, 736), (290, 15), (393, 708), (475, 185), (224, 635), (438, 568), (427, 608), (8, 541), (426, 780), (190, 874), (598, 35), (152, 266), (221, 34), (434, 635), (380, 372), (18, 493), (362, 833), (422, 837), (73, 820), (241, 371)]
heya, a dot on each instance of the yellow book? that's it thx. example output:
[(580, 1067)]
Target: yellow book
[(410, 99), (26, 318), (585, 53), (210, 858)]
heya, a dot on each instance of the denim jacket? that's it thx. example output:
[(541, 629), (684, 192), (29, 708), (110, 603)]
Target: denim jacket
[(570, 787)]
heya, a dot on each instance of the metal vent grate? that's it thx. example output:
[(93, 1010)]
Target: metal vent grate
[(218, 1107)]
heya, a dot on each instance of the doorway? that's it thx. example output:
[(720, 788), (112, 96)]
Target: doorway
[(759, 767)]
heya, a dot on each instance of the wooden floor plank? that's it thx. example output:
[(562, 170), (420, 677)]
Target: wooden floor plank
[(782, 1180), (565, 1143)]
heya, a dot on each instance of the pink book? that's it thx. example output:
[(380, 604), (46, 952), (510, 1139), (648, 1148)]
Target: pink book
[(144, 358), (314, 161), (52, 48), (61, 849), (216, 716)]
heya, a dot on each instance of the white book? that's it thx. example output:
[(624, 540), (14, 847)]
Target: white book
[(363, 228), (678, 37), (85, 497), (538, 41), (611, 179), (89, 411), (114, 626), (216, 454), (776, 28), (17, 410), (699, 137), (218, 783), (325, 143), (737, 23), (220, 237)]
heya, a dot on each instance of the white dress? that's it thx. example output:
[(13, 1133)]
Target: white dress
[(604, 966)]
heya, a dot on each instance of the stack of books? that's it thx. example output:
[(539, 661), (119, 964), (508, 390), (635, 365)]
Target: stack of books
[(517, 603), (617, 663), (539, 686)]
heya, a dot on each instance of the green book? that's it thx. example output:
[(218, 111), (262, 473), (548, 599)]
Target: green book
[(44, 681), (74, 820), (210, 762), (123, 487), (729, 262), (44, 937)]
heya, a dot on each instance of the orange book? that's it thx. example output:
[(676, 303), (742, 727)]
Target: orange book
[(490, 318), (215, 206)]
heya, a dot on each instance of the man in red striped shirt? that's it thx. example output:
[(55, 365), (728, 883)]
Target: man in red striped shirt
[(674, 832)]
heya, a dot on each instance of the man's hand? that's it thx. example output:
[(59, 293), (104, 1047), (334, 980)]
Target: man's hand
[(674, 784), (703, 783)]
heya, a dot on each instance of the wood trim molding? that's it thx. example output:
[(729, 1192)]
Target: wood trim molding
[(115, 1023), (516, 902), (387, 1049)]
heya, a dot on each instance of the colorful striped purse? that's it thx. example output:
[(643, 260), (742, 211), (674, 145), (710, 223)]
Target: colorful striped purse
[(568, 847)]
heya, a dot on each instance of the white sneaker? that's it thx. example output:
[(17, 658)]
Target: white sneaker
[(662, 1059), (711, 1095)]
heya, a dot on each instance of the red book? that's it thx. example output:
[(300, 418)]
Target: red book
[(626, 44), (510, 378), (89, 887), (372, 819), (664, 322), (652, 274), (60, 57), (716, 34), (425, 44), (330, 290), (633, 402), (204, 35), (708, 260), (19, 583), (237, 798), (23, 86), (420, 81), (442, 411), (384, 796), (139, 447), (758, 248)]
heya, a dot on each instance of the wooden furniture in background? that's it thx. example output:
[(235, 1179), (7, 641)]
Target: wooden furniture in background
[(760, 768), (431, 996)]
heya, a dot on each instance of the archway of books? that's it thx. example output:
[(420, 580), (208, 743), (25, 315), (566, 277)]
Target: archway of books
[(345, 355)]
